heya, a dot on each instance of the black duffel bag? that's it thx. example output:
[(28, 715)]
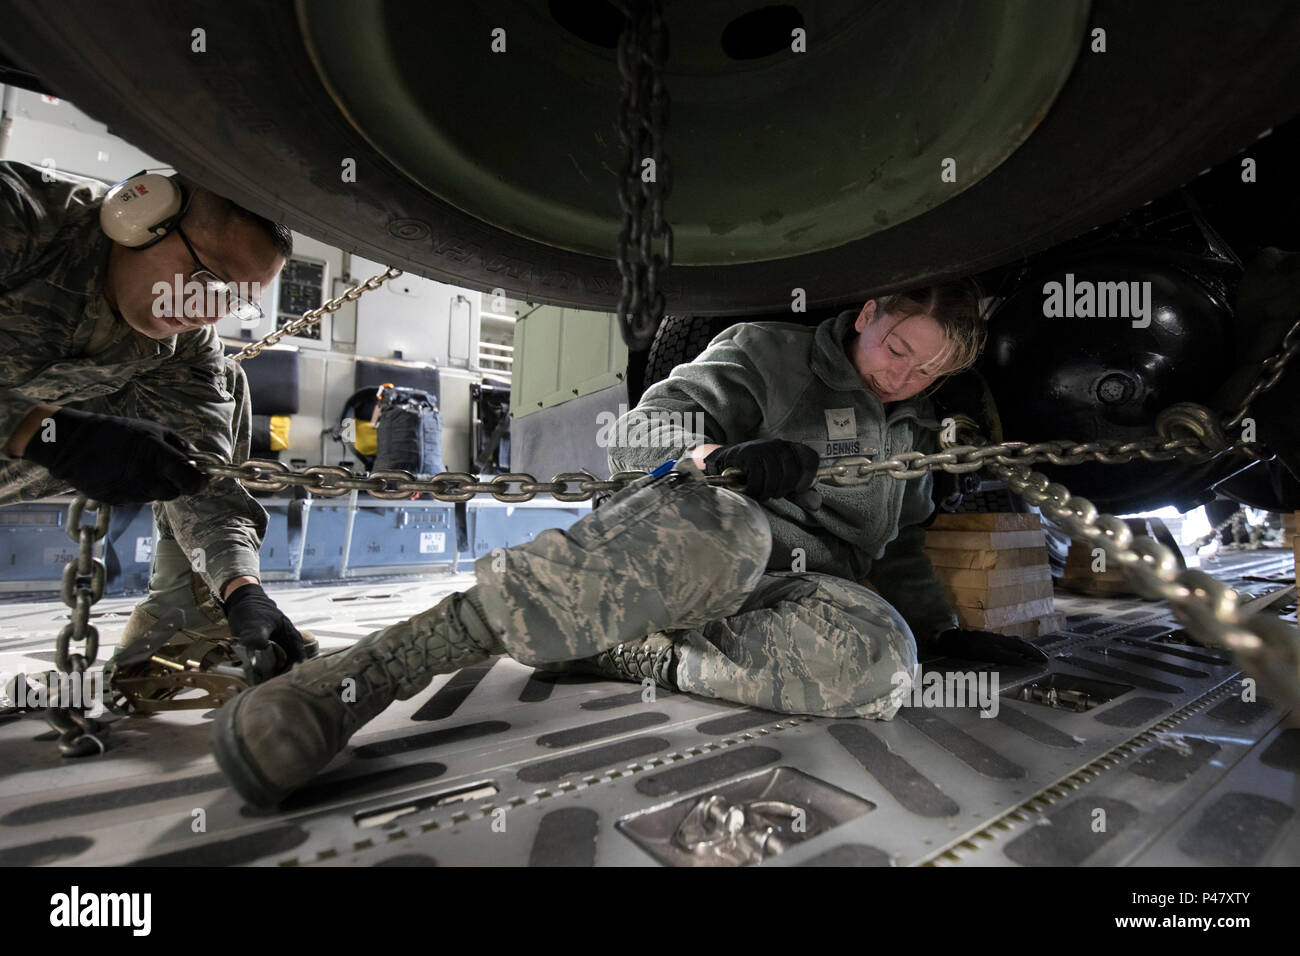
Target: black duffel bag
[(410, 432)]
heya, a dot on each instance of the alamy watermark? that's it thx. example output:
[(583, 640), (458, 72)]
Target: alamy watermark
[(949, 689), (76, 908), (83, 691), (639, 429), (196, 300), (1084, 299)]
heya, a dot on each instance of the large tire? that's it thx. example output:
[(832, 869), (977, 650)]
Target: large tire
[(1181, 87), (678, 340)]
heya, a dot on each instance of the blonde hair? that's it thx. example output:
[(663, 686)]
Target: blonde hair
[(955, 306)]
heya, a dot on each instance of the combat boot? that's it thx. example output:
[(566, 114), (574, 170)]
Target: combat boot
[(612, 577), (275, 737), (653, 657)]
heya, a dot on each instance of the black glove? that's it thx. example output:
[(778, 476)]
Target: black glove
[(256, 622), (117, 460), (773, 467), (987, 646)]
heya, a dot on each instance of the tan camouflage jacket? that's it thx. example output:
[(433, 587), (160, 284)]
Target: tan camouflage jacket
[(61, 343)]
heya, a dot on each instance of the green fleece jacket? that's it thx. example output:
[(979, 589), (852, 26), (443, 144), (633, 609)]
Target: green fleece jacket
[(783, 380)]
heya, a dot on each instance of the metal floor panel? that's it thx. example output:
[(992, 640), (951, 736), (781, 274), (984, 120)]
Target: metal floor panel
[(498, 765)]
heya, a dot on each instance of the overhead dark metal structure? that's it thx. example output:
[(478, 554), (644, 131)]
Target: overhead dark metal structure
[(820, 170), (776, 153)]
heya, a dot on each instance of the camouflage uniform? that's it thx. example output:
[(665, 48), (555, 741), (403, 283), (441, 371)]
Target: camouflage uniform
[(811, 635), (61, 343), (849, 589), (679, 557)]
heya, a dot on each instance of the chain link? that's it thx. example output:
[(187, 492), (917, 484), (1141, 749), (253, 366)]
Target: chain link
[(83, 585), (1262, 644), (642, 53), (311, 317), (333, 481), (1270, 373), (1214, 532)]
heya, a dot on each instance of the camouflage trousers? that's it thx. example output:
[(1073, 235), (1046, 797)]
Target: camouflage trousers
[(676, 556), (172, 581)]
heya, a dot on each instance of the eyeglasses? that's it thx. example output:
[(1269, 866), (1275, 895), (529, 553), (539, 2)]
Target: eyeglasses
[(219, 290)]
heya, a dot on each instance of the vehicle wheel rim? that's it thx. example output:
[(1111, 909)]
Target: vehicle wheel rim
[(527, 140)]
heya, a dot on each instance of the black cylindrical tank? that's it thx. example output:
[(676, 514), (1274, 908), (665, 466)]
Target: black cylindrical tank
[(1095, 347)]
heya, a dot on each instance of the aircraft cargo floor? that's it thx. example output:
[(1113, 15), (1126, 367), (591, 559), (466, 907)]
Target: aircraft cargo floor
[(499, 765)]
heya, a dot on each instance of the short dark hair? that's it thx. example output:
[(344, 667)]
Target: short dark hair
[(211, 209)]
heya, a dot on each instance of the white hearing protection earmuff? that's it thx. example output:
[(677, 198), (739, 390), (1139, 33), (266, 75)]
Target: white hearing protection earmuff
[(142, 210)]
